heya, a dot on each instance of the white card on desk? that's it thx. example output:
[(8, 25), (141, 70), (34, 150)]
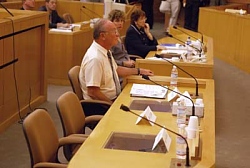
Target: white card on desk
[(147, 113), (162, 139), (172, 95)]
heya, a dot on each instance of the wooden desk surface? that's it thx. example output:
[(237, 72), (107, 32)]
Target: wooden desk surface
[(92, 154), (163, 68)]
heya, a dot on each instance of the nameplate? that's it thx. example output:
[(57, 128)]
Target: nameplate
[(147, 113), (162, 141)]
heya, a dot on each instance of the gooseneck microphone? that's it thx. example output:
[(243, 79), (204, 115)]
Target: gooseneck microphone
[(193, 107), (91, 11), (175, 27), (6, 9), (196, 82), (125, 108), (199, 50)]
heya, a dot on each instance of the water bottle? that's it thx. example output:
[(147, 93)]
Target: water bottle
[(189, 49), (180, 142), (181, 112), (174, 77)]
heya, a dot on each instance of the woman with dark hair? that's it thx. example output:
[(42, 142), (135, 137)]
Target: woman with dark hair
[(139, 40)]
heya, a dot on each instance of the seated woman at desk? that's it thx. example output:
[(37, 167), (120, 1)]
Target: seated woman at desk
[(55, 20), (139, 40), (118, 51)]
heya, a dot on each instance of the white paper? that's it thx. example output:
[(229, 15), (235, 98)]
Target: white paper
[(145, 90)]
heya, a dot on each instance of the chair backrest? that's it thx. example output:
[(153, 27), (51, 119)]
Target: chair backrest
[(73, 76), (68, 18), (71, 113), (41, 137)]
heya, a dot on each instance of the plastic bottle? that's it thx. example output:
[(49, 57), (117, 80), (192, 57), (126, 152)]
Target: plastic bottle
[(174, 77), (180, 142), (189, 49), (181, 112)]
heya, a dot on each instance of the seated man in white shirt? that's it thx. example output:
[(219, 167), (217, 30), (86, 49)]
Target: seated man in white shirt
[(97, 79)]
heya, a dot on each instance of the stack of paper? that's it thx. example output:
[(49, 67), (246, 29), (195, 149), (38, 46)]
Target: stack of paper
[(145, 90)]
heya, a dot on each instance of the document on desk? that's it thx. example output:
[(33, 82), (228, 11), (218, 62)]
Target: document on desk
[(145, 90)]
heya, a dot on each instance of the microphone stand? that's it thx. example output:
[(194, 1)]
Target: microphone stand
[(175, 27), (193, 107), (199, 50), (125, 108), (196, 82), (6, 9), (91, 11)]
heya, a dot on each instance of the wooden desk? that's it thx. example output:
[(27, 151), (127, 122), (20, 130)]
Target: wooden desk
[(163, 68), (92, 154), (65, 50), (230, 33), (29, 43)]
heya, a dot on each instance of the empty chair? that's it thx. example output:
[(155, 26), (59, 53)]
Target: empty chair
[(43, 141), (68, 18), (73, 119), (90, 107)]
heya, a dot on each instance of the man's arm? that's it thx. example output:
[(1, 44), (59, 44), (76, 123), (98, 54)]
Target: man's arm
[(95, 93), (124, 71)]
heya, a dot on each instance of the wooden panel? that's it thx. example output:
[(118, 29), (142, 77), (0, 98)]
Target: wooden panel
[(231, 35), (29, 46)]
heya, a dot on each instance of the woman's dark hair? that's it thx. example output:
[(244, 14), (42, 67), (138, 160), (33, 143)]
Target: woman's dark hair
[(136, 15)]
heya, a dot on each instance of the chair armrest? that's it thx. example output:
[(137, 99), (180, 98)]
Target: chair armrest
[(49, 165), (134, 57), (72, 139), (93, 119), (95, 102)]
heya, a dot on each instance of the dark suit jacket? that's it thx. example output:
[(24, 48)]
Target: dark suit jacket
[(138, 43), (55, 18)]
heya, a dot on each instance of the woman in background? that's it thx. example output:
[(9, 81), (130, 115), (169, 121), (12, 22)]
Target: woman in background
[(139, 40), (118, 51)]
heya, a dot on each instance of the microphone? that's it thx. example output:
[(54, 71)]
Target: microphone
[(125, 108), (175, 27), (6, 9), (8, 63), (196, 85), (193, 107), (199, 50), (91, 12)]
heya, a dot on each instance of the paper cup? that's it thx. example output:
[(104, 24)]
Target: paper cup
[(192, 127)]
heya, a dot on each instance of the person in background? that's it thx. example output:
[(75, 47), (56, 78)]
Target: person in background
[(192, 13), (55, 21), (99, 73), (147, 7), (175, 6), (28, 4), (139, 40), (118, 51)]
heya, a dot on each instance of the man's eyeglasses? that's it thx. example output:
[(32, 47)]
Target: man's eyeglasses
[(112, 31)]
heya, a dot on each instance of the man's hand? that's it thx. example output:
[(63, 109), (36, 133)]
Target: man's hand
[(146, 72)]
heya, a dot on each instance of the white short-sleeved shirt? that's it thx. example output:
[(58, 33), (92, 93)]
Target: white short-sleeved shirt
[(96, 71)]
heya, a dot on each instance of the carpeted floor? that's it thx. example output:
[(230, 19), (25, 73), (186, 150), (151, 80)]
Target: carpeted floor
[(232, 119)]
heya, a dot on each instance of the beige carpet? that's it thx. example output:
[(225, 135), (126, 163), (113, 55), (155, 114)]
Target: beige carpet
[(232, 119)]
